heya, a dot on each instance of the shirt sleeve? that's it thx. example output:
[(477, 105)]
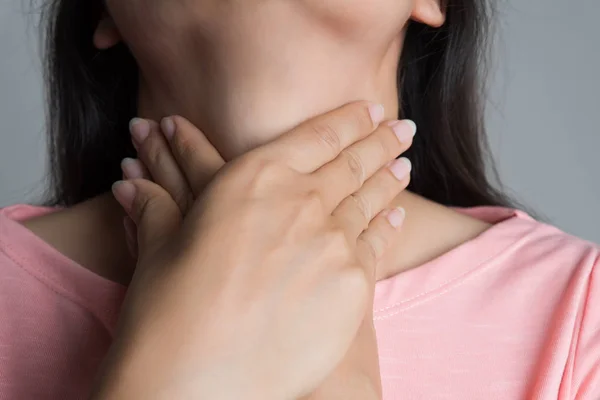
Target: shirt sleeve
[(586, 368)]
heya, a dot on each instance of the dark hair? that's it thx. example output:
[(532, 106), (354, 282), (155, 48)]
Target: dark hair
[(93, 94)]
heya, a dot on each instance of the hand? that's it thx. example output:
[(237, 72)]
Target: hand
[(358, 374), (349, 379), (278, 251)]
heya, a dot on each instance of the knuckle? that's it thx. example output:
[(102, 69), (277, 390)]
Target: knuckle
[(336, 241), (327, 135), (247, 162), (313, 202), (354, 280), (355, 166), (268, 171), (265, 173)]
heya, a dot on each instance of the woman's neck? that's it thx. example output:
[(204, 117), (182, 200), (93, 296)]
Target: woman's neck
[(243, 106), (244, 98)]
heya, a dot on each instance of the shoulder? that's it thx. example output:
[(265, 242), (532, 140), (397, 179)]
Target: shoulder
[(537, 243), (48, 304), (555, 246), (87, 236), (570, 267), (43, 246), (564, 275), (35, 275), (32, 262), (15, 238)]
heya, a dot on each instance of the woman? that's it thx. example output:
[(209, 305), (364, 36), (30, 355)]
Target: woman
[(470, 302)]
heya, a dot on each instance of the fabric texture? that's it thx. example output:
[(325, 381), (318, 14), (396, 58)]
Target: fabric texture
[(511, 314)]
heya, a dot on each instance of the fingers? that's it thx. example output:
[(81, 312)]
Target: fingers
[(357, 210), (316, 142), (357, 163), (154, 152), (152, 209), (195, 155), (373, 242)]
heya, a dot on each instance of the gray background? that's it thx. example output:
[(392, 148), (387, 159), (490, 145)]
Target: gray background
[(542, 115)]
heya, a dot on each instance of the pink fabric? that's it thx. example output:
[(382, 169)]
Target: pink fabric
[(512, 314)]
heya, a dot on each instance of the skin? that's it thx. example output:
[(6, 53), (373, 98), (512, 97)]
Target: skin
[(274, 235), (244, 72), (194, 163), (259, 83)]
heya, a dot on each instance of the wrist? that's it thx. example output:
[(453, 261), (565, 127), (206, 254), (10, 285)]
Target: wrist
[(132, 376)]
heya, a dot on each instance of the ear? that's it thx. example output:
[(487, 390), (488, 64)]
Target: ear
[(429, 12), (106, 35)]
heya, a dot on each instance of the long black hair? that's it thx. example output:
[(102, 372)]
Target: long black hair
[(92, 95)]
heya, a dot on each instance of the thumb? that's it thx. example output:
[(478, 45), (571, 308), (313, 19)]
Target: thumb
[(153, 210)]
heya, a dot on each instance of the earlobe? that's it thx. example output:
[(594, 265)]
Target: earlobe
[(106, 34), (429, 12)]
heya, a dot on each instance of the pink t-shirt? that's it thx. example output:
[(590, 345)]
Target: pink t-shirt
[(512, 314)]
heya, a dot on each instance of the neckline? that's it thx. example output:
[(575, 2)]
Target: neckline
[(392, 295), (440, 275)]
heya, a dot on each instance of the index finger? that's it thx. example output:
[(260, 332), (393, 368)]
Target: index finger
[(319, 140), (198, 159)]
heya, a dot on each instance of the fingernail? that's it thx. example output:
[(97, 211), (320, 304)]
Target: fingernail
[(124, 192), (168, 127), (401, 168), (132, 169), (139, 129), (396, 217), (404, 130), (377, 113)]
